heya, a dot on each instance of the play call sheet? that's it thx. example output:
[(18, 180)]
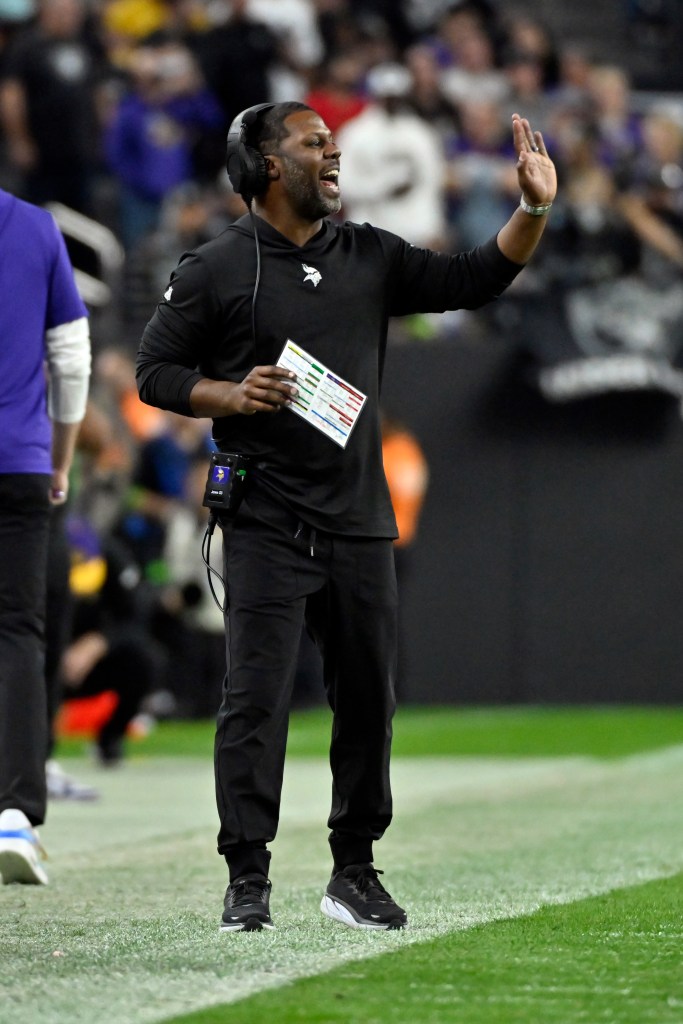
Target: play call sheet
[(325, 399)]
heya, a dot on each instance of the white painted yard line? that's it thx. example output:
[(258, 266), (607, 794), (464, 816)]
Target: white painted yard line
[(473, 840)]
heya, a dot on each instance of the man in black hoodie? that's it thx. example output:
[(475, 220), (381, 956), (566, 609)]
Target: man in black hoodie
[(312, 541)]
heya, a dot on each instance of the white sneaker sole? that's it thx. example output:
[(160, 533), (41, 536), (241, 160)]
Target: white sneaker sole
[(19, 863), (252, 925), (338, 911)]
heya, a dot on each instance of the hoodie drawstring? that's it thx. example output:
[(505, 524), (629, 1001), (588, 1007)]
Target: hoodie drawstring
[(311, 537)]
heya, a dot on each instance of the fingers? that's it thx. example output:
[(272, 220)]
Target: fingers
[(268, 389), (59, 487), (527, 140), (538, 144)]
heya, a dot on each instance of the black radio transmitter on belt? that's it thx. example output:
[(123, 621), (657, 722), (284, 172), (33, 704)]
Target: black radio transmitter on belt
[(227, 482)]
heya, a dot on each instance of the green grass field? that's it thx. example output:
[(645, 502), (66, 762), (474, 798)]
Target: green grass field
[(539, 853)]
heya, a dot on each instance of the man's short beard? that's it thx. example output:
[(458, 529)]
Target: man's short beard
[(307, 200)]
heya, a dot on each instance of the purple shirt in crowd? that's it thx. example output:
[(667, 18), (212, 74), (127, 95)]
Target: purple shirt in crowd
[(37, 292)]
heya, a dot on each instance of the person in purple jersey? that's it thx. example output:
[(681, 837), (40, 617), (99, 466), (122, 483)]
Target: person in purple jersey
[(44, 373), (312, 541)]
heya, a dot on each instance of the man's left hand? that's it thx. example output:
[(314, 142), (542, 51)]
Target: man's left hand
[(535, 169)]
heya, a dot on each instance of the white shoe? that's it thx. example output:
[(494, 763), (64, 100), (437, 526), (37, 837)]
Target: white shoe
[(61, 786), (20, 850)]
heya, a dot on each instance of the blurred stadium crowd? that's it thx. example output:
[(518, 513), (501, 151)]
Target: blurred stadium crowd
[(114, 113)]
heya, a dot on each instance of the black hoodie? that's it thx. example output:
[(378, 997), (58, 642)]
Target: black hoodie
[(203, 328)]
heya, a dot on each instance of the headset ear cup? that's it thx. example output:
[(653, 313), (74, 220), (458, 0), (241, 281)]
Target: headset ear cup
[(247, 170), (234, 167), (246, 166), (255, 172)]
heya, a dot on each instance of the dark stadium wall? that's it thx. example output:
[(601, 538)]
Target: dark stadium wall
[(549, 562)]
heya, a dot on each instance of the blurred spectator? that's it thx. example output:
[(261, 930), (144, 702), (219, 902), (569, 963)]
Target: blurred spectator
[(97, 450), (158, 486), (295, 22), (339, 28), (115, 372), (465, 48), (48, 101), (343, 22), (482, 182), (426, 96), (295, 25), (575, 67), (235, 54), (360, 28), (474, 73), (393, 164), (94, 436), (422, 15), (111, 649), (654, 32), (336, 95), (618, 123), (391, 13), (106, 481), (376, 44), (527, 91), (652, 194), (189, 621), (150, 139), (588, 185), (454, 20), (125, 23), (526, 36), (190, 214)]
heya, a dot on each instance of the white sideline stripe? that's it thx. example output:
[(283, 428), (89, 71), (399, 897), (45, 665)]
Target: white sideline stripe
[(190, 803), (509, 836), (417, 783)]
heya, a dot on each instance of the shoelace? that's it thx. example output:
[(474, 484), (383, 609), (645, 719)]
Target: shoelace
[(367, 883), (248, 890)]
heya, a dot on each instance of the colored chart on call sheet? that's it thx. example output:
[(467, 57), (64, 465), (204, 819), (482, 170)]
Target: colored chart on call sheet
[(325, 399)]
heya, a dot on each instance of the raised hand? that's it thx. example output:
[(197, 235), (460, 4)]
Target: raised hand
[(535, 169)]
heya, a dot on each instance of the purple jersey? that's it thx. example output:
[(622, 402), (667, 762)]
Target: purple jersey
[(37, 292)]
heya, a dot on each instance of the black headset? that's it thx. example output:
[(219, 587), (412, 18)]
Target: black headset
[(246, 166)]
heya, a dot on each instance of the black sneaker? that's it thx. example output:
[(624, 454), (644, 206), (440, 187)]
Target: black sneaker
[(246, 905), (355, 896)]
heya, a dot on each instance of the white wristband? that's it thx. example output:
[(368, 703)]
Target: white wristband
[(535, 211)]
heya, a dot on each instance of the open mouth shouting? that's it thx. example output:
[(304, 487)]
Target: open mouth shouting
[(329, 180)]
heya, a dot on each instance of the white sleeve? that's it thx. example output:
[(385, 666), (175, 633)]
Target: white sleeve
[(68, 360)]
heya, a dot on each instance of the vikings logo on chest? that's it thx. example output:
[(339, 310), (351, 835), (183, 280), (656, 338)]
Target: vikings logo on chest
[(312, 275)]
